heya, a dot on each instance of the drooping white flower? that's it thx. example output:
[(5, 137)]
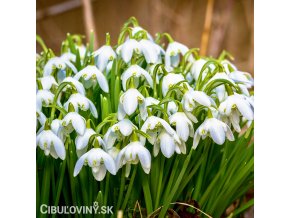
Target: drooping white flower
[(172, 108), (151, 51), (215, 129), (132, 154), (82, 102), (40, 117), (168, 145), (79, 87), (118, 132), (192, 98), (51, 144), (47, 82), (136, 29), (184, 127), (99, 161), (162, 136), (197, 67), (235, 106), (43, 97), (61, 63), (172, 53), (74, 121), (127, 48), (82, 141), (242, 77), (103, 55), (229, 67), (170, 80), (92, 75), (129, 101), (58, 129), (135, 71)]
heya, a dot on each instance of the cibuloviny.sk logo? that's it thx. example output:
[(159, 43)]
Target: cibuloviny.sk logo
[(93, 209)]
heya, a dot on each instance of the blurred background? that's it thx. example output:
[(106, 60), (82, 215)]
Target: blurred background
[(211, 25)]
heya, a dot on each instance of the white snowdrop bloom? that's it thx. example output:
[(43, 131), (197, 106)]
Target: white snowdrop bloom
[(172, 53), (150, 50), (82, 51), (57, 128), (184, 127), (92, 75), (154, 125), (118, 132), (103, 55), (214, 128), (129, 101), (221, 92), (82, 102), (192, 97), (51, 144), (127, 48), (135, 71), (168, 145), (170, 80), (151, 101), (132, 154), (68, 56), (235, 106), (242, 77), (99, 161), (172, 108), (82, 141), (220, 75), (228, 66), (43, 97), (136, 29), (47, 82), (60, 63), (197, 66), (79, 87), (40, 117), (74, 121)]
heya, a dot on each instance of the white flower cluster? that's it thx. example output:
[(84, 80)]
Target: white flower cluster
[(167, 97)]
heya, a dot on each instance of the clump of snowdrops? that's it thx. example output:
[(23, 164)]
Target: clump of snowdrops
[(144, 126)]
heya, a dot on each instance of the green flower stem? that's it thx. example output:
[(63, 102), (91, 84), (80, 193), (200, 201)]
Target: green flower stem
[(176, 186), (41, 43), (129, 188), (122, 186), (159, 186), (37, 192), (107, 189), (147, 193), (200, 177), (45, 191), (53, 189)]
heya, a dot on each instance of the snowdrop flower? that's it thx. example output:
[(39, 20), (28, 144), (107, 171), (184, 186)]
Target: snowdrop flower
[(235, 106), (82, 141), (79, 87), (229, 67), (150, 50), (74, 121), (47, 82), (135, 71), (191, 98), (152, 126), (170, 80), (172, 53), (57, 128), (43, 97), (242, 77), (92, 76), (50, 144), (82, 102), (40, 117), (214, 128), (103, 55), (172, 108), (197, 66), (127, 48), (136, 29), (118, 132), (168, 144), (220, 75), (61, 63), (129, 101), (184, 127), (99, 161), (132, 154), (68, 56)]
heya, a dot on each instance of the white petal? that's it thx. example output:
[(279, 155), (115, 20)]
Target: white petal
[(196, 139), (109, 163), (100, 174), (167, 145), (79, 164), (145, 158)]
